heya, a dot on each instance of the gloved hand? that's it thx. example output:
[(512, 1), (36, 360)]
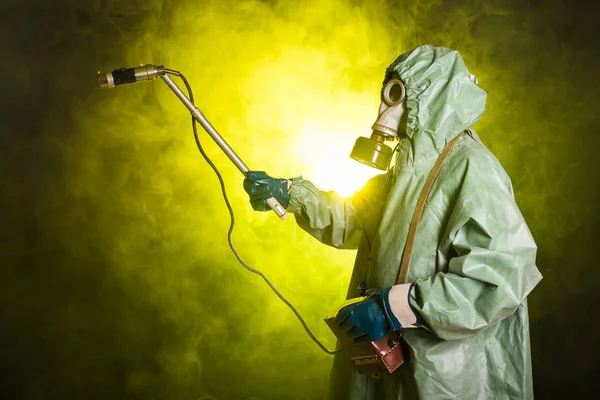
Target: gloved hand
[(370, 319), (261, 187)]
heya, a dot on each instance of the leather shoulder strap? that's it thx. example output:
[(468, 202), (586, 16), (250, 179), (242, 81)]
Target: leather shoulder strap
[(414, 223)]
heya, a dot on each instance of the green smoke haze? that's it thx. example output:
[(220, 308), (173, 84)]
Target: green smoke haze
[(116, 281)]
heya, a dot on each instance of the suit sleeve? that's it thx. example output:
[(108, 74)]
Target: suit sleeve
[(333, 219), (493, 265)]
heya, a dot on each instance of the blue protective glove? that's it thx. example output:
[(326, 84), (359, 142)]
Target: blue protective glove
[(370, 319), (261, 187)]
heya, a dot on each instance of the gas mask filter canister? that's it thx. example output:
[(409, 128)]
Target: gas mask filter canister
[(373, 151)]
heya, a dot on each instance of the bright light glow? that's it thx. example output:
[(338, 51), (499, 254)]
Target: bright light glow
[(327, 151)]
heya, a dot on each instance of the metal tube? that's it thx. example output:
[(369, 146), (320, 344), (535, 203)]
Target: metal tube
[(198, 116)]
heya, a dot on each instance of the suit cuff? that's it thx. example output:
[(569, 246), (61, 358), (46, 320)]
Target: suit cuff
[(399, 298), (297, 191)]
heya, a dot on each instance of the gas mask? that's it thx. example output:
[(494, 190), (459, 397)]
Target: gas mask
[(373, 151)]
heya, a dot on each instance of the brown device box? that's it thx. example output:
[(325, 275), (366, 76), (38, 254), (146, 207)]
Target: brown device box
[(383, 356)]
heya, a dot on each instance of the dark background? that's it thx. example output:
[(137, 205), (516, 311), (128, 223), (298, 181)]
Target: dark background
[(66, 331)]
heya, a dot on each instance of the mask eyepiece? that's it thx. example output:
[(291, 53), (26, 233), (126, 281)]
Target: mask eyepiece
[(394, 92)]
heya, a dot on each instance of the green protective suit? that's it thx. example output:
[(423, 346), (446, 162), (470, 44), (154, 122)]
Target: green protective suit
[(473, 262)]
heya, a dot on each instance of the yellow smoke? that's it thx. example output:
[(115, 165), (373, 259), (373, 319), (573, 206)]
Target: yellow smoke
[(290, 87), (114, 227)]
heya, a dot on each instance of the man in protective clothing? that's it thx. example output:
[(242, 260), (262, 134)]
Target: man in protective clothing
[(462, 307)]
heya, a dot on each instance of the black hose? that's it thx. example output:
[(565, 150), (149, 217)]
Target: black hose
[(232, 224)]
